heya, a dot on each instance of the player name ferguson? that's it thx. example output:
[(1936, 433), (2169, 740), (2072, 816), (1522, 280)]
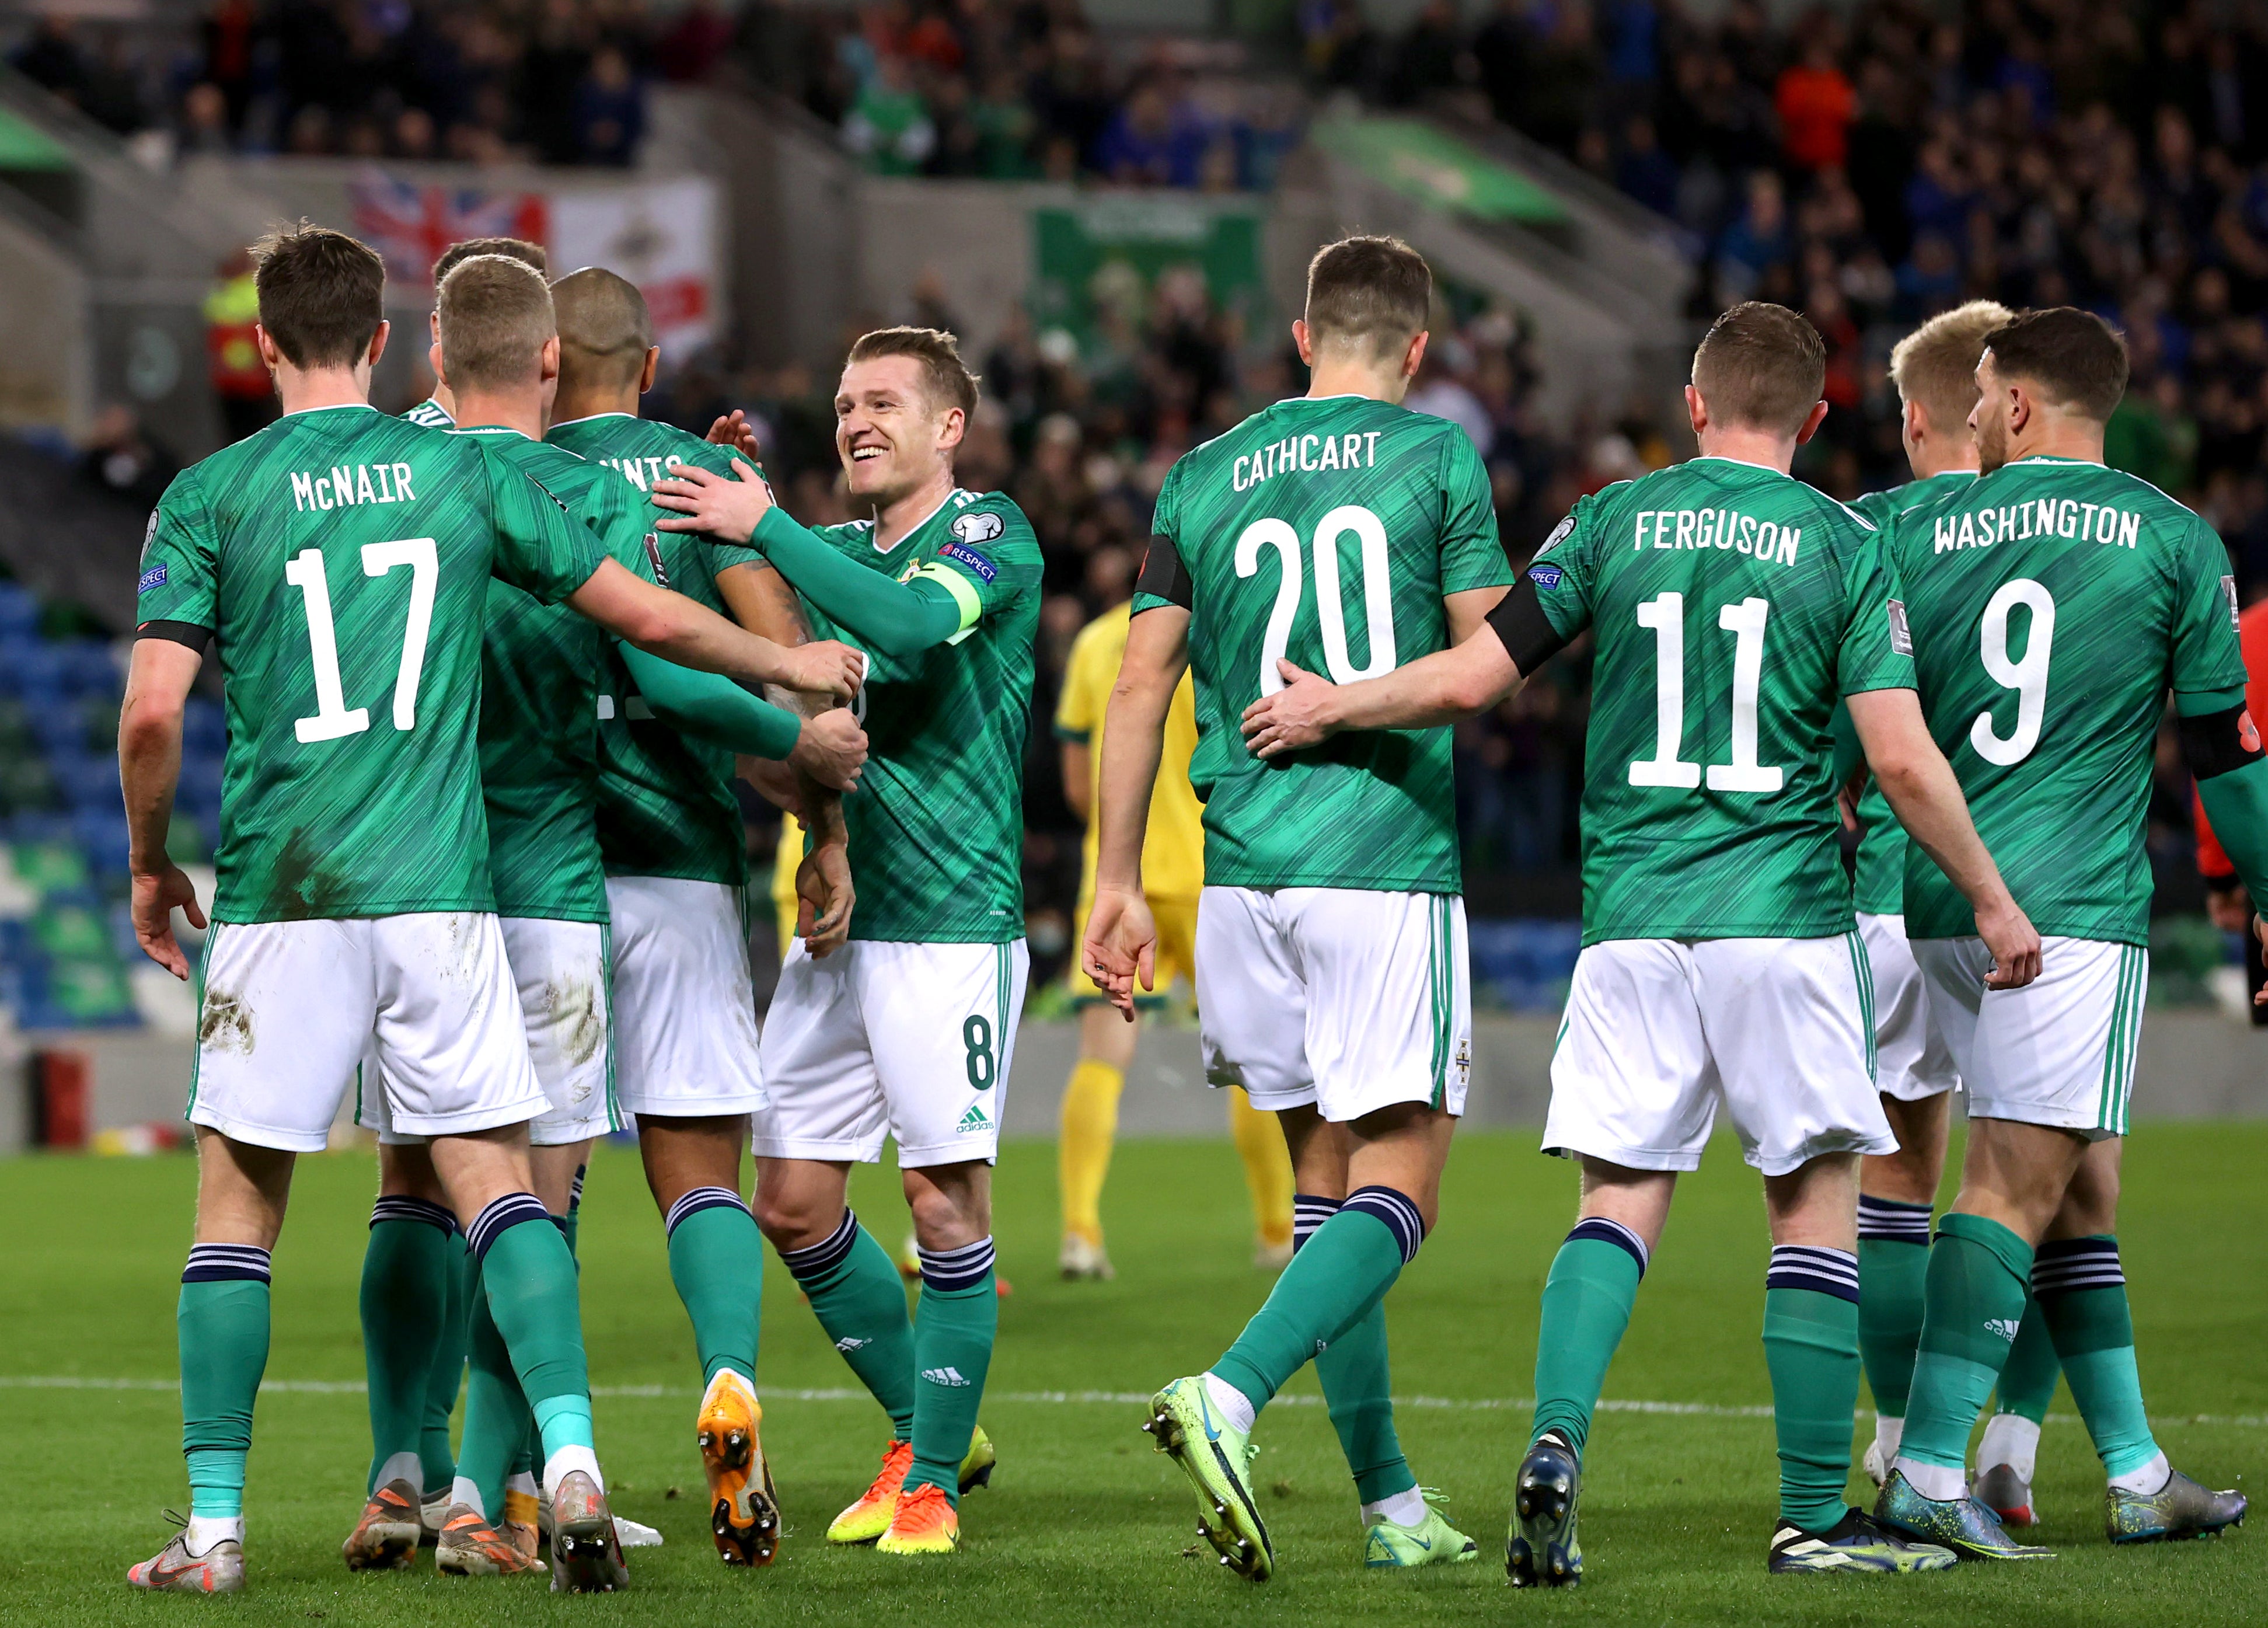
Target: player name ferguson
[(1716, 528)]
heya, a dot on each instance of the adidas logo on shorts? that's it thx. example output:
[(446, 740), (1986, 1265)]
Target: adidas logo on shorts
[(944, 1376), (2005, 1327), (974, 1119)]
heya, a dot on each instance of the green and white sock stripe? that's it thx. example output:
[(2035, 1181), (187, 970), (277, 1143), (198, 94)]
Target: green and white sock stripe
[(614, 1119), (1003, 982), (1440, 989), (197, 1052), (2125, 1036), (1862, 969)]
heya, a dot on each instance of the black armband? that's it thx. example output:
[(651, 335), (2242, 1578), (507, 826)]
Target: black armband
[(1163, 573), (181, 632), (1528, 636), (2217, 743)]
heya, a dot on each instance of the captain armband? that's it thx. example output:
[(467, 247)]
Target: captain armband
[(1528, 636), (2218, 743), (189, 633), (1163, 574)]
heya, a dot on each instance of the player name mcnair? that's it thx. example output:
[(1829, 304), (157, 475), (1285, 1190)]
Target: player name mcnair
[(2039, 517), (1716, 528), (349, 484)]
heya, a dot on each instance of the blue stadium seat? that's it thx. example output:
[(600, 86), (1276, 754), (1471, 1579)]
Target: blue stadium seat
[(89, 784), (58, 725), (29, 830), (89, 668), (205, 728), (20, 612), (102, 836), (1524, 962), (35, 671)]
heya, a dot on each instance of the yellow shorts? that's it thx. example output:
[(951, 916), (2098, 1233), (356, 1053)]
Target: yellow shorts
[(1177, 944)]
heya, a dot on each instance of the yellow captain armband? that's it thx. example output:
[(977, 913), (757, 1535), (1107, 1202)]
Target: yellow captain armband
[(965, 596)]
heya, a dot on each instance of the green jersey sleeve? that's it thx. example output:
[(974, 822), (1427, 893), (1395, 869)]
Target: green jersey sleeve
[(1164, 520), (2206, 654), (990, 560), (180, 559), (1565, 569), (1877, 651), (541, 546), (1472, 555)]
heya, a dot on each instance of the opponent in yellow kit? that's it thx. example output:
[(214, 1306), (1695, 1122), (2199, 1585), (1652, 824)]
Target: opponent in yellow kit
[(1173, 875)]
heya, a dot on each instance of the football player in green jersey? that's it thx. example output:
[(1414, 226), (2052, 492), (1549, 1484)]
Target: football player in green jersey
[(354, 912), (670, 833), (2051, 717), (1731, 606), (1331, 962), (1934, 369), (909, 1030), (439, 411)]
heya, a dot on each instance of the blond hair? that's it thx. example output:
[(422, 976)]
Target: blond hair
[(946, 378), (1935, 365), (495, 314)]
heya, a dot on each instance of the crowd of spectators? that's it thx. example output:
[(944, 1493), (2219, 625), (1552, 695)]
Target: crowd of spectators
[(1873, 165)]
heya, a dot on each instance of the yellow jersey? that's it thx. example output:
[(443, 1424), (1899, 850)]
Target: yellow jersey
[(1173, 852)]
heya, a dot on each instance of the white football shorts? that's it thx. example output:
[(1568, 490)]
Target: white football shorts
[(1659, 1031), (891, 1040), (685, 1012), (2060, 1050), (560, 968), (1348, 999), (1911, 1061), (288, 1012)]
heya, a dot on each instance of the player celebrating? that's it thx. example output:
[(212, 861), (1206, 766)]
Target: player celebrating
[(1172, 872), (1719, 961), (676, 862), (2123, 593), (1330, 957), (909, 1030), (1934, 369), (354, 909), (439, 411)]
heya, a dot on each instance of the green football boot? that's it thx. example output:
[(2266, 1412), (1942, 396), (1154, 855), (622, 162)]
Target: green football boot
[(1856, 1543), (1961, 1524), (1431, 1541), (1215, 1456), (2180, 1509), (1541, 1550)]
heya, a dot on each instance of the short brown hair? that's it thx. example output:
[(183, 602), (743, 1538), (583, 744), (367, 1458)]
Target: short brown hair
[(1375, 291), (1936, 364), (495, 314), (1761, 366), (605, 329), (322, 294), (2076, 358), (944, 375), (511, 248)]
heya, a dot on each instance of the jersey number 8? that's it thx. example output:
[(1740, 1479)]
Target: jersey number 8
[(1331, 610), (305, 571), (1664, 615)]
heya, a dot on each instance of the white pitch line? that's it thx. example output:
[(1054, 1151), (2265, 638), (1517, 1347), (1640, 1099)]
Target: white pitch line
[(1061, 1398)]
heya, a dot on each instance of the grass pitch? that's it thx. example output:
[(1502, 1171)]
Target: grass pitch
[(1085, 1523)]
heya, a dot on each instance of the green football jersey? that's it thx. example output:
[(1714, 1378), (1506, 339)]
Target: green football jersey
[(666, 803), (342, 559), (1326, 530), (431, 414), (937, 824), (544, 668), (1880, 886), (1731, 606), (2054, 603)]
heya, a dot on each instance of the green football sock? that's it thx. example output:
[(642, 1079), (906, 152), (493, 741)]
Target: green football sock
[(717, 1261), (2028, 1380), (405, 1301), (528, 1274), (954, 1325), (860, 1300), (1357, 1381), (1978, 1275), (1893, 1277), (221, 1324), (2083, 1291), (447, 1376), (1811, 1347), (1586, 1307), (1337, 1276), (499, 1428)]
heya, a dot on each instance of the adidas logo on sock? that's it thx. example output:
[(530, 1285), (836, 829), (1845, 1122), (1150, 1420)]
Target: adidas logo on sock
[(2005, 1327), (974, 1119), (849, 1343), (944, 1376)]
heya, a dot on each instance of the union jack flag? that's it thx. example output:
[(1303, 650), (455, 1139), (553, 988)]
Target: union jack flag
[(410, 225)]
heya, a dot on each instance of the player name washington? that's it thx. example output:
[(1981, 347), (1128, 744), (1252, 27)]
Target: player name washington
[(2039, 517)]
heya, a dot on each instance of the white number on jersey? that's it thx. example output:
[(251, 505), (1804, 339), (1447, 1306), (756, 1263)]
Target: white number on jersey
[(1330, 609), (1664, 615), (2028, 677), (305, 571)]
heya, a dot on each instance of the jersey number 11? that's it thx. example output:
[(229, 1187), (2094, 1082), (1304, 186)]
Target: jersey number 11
[(1665, 613)]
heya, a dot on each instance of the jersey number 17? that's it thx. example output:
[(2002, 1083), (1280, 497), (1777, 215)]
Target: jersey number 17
[(305, 571)]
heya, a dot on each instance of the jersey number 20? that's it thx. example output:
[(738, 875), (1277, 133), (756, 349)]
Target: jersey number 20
[(305, 571), (1664, 615), (1330, 609)]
